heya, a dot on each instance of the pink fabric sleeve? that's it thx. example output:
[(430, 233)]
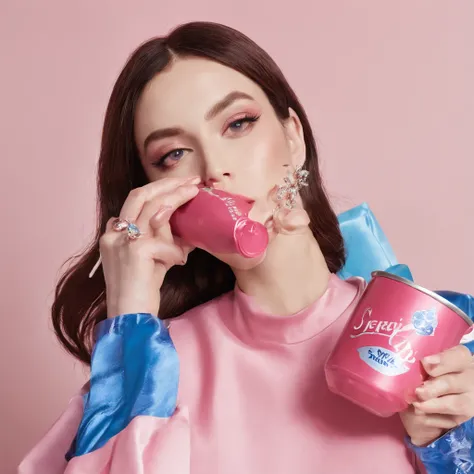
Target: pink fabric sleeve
[(148, 445)]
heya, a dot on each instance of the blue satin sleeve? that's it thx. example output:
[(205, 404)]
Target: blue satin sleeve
[(465, 303), (134, 371), (453, 453), (367, 247)]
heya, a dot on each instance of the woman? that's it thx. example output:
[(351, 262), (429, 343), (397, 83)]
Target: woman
[(206, 106)]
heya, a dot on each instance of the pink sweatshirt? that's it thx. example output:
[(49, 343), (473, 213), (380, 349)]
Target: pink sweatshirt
[(257, 398), (249, 397)]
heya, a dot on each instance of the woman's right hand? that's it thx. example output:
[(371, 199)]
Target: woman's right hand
[(134, 270)]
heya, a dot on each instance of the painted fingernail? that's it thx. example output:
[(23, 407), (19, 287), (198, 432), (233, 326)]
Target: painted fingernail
[(432, 360)]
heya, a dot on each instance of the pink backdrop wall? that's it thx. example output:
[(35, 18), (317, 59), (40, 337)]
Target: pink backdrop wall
[(388, 86)]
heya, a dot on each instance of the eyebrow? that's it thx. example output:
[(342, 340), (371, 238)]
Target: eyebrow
[(228, 100), (216, 109), (162, 133)]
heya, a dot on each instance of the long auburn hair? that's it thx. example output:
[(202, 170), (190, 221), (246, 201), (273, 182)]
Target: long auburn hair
[(80, 302)]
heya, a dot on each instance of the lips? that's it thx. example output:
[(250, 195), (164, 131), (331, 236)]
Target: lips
[(240, 197), (244, 198)]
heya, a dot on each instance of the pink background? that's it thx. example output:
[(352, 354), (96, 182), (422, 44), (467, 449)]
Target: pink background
[(388, 86)]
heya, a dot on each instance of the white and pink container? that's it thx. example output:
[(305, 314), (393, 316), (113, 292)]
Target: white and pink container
[(376, 362), (218, 222)]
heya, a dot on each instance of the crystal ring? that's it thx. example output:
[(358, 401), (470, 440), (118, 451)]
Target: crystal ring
[(133, 232), (120, 224)]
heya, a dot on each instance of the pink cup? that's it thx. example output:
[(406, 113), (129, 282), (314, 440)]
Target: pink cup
[(218, 222), (376, 361)]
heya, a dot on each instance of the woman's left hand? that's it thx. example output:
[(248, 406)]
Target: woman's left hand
[(445, 400)]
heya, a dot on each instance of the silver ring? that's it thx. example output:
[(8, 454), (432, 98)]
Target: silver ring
[(120, 224)]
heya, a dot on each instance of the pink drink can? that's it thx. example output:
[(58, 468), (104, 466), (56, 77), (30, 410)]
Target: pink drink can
[(376, 362), (218, 222)]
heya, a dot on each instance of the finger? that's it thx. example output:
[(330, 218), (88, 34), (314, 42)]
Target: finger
[(138, 197), (110, 223), (419, 433), (460, 405), (110, 235), (184, 245), (445, 422), (168, 254), (290, 221), (448, 384), (156, 213), (456, 359)]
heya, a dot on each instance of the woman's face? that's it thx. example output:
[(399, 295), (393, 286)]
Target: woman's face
[(201, 118)]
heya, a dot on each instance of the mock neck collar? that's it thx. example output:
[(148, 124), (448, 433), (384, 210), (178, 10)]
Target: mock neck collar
[(253, 325)]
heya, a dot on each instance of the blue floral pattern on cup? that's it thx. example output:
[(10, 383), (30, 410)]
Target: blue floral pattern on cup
[(425, 322)]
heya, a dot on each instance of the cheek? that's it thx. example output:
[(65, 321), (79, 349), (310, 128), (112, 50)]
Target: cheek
[(272, 156), (272, 149), (264, 157)]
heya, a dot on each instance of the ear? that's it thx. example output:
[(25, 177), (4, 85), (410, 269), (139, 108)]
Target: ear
[(295, 138)]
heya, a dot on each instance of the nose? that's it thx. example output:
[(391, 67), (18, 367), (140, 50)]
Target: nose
[(215, 181), (215, 173)]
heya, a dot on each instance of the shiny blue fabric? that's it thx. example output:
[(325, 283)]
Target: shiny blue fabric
[(367, 247), (451, 454), (134, 371), (400, 270), (465, 303)]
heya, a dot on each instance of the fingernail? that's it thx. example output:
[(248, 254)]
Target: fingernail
[(420, 391), (432, 360), (274, 193), (194, 180), (162, 212), (269, 224), (418, 412), (423, 394)]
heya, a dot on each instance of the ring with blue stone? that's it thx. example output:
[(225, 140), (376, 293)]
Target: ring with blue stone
[(133, 231)]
